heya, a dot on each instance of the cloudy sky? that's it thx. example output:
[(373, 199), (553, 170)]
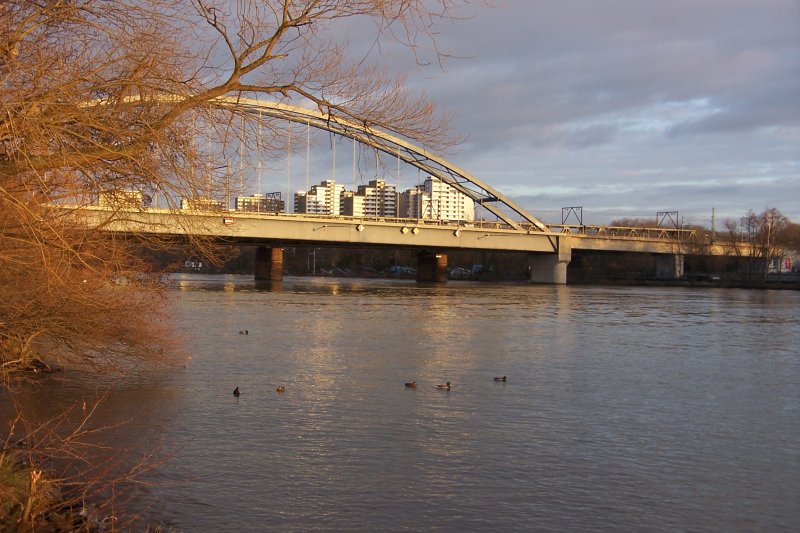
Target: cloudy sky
[(628, 107)]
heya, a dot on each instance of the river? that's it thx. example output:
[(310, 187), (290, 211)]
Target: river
[(624, 409)]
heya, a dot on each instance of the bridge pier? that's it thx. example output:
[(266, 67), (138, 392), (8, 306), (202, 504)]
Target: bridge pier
[(551, 267), (432, 267), (669, 266), (269, 264)]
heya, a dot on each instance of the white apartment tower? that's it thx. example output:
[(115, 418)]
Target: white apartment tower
[(414, 203), (376, 199), (380, 199), (261, 203), (446, 203), (352, 204), (201, 203), (436, 200), (322, 199)]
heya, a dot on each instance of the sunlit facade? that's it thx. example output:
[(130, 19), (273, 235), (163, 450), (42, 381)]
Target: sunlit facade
[(436, 200), (380, 199), (261, 203), (322, 199), (201, 203)]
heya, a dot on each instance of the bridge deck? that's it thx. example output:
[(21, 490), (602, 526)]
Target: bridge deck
[(298, 229)]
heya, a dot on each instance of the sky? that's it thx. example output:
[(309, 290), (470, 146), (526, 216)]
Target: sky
[(627, 107)]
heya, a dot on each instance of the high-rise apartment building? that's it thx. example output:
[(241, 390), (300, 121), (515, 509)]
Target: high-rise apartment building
[(380, 199), (376, 199), (436, 200), (201, 203), (270, 202), (447, 203), (322, 199), (121, 199), (352, 204), (414, 203)]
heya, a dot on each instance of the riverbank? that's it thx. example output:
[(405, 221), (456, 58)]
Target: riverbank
[(695, 284), (31, 498)]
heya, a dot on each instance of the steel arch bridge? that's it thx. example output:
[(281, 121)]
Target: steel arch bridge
[(461, 180)]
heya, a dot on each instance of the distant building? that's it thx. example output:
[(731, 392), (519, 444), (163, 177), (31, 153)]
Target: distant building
[(447, 203), (436, 200), (414, 203), (300, 202), (376, 199), (352, 204), (118, 198), (261, 203), (200, 203), (322, 199), (380, 199), (432, 200)]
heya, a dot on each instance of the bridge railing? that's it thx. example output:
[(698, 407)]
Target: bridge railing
[(356, 219), (676, 234), (660, 233), (479, 224)]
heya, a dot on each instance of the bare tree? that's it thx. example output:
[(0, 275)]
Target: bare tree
[(102, 96), (635, 222), (789, 237), (762, 239), (59, 474)]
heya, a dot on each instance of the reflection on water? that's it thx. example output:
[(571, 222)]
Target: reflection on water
[(626, 408)]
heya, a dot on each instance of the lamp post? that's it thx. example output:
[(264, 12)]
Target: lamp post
[(313, 258)]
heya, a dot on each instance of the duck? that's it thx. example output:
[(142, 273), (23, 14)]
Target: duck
[(444, 386), (236, 392), (281, 388), (412, 385), (501, 379)]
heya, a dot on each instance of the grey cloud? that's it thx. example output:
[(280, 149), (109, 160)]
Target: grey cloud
[(589, 136), (626, 105), (769, 105)]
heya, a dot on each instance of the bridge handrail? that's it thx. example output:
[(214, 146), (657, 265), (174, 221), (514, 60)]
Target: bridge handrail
[(680, 234), (659, 233)]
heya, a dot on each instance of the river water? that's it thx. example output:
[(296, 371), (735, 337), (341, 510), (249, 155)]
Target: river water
[(624, 409)]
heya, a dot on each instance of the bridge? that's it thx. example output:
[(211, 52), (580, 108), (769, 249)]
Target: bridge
[(513, 228), (550, 251)]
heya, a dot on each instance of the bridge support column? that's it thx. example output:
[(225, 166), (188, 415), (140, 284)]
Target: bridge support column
[(432, 267), (669, 266), (269, 264), (551, 268)]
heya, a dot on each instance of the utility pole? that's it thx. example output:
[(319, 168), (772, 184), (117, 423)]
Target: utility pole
[(713, 225), (228, 186)]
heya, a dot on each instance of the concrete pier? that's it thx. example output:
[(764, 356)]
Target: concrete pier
[(551, 268), (669, 266), (432, 267), (269, 263)]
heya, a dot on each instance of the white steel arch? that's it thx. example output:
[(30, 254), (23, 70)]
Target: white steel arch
[(479, 191)]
